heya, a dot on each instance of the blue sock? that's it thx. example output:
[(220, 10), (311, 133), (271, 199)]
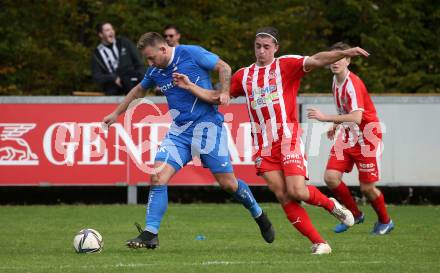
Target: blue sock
[(156, 207), (244, 196)]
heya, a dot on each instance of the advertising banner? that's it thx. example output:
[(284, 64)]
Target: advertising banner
[(65, 144)]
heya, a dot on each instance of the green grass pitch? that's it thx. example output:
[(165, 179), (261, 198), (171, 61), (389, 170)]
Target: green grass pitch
[(39, 239)]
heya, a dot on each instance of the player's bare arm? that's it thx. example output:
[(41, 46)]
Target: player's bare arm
[(225, 72), (210, 96), (135, 93), (324, 58), (354, 116)]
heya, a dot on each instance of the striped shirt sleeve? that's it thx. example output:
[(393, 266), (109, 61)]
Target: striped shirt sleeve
[(236, 89), (355, 99)]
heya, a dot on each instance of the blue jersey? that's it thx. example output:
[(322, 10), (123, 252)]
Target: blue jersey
[(195, 62)]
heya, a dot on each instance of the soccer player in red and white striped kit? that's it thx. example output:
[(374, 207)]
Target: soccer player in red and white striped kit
[(270, 86), (359, 142)]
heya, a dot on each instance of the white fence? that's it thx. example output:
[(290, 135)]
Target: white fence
[(412, 149)]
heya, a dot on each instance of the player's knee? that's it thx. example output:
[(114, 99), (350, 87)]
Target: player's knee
[(227, 184), (368, 189), (156, 180), (332, 180), (281, 196), (297, 194), (279, 193)]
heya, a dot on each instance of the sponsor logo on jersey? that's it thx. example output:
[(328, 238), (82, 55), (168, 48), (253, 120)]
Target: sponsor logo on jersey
[(166, 87), (367, 167), (260, 102), (258, 161), (293, 158), (272, 75), (259, 91)]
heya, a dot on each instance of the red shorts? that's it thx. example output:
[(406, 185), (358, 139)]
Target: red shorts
[(288, 157), (367, 158)]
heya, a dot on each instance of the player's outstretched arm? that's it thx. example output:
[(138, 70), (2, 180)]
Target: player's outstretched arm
[(324, 58), (355, 116), (135, 93), (224, 73), (210, 96)]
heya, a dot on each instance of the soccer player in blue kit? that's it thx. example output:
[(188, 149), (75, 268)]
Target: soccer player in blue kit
[(197, 130)]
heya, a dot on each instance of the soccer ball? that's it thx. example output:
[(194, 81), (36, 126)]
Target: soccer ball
[(88, 241)]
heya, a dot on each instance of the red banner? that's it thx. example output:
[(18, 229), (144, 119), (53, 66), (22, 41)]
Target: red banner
[(65, 144)]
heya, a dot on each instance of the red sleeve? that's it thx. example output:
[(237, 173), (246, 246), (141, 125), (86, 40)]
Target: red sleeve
[(355, 92), (236, 89), (293, 65)]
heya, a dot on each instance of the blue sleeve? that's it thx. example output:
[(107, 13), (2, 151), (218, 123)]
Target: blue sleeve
[(147, 82), (204, 58)]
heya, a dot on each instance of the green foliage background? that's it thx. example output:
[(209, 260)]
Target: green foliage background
[(45, 46)]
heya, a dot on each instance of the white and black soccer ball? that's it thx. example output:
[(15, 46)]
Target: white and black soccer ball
[(88, 241)]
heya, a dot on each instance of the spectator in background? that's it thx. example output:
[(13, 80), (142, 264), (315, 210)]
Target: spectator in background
[(116, 63), (172, 35)]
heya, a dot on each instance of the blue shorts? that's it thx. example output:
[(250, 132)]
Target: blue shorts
[(207, 140)]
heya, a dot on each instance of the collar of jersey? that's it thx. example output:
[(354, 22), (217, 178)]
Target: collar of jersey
[(257, 66), (342, 83), (172, 56)]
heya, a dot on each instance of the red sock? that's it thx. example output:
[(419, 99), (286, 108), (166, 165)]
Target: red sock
[(378, 205), (343, 194), (318, 199), (299, 218)]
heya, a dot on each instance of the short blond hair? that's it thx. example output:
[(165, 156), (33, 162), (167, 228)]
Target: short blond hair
[(150, 39)]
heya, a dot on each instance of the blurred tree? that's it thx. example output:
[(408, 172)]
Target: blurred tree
[(46, 45)]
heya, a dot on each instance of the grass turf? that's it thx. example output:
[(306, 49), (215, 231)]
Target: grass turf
[(39, 239)]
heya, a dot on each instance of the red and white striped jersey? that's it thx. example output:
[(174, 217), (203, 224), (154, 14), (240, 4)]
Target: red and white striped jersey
[(271, 92), (352, 95)]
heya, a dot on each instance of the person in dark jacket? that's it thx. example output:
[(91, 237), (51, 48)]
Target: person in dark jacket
[(116, 63)]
